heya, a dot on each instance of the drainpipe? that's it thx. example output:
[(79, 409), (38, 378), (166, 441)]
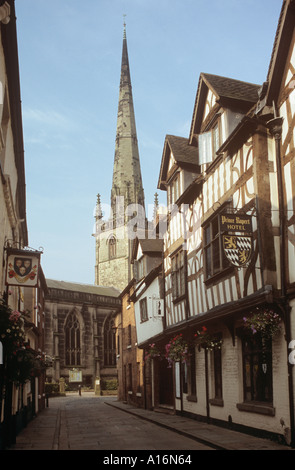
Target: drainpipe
[(275, 127), (207, 386)]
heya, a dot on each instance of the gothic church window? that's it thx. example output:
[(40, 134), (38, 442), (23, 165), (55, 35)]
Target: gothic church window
[(112, 247), (109, 343), (73, 340)]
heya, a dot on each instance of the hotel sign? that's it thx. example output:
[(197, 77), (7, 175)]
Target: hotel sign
[(236, 223), (238, 242)]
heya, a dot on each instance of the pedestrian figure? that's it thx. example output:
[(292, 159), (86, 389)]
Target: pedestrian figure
[(79, 387)]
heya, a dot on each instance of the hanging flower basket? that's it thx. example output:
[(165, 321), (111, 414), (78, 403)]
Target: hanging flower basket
[(176, 350), (264, 321), (11, 329), (20, 366), (206, 340), (19, 360), (152, 352)]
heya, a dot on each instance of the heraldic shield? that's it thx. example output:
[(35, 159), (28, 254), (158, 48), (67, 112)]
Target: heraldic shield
[(22, 266), (238, 249)]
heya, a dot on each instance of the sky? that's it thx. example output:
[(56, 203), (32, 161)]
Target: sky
[(70, 61)]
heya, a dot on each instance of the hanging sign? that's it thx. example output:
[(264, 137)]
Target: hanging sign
[(237, 249), (75, 375), (236, 223), (22, 267), (238, 241)]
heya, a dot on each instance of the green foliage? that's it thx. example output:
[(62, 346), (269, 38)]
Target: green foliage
[(264, 321), (51, 388), (111, 384), (19, 359)]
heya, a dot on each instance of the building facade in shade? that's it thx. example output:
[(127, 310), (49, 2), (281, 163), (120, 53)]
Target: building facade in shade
[(113, 245), (80, 333), (228, 257), (22, 355)]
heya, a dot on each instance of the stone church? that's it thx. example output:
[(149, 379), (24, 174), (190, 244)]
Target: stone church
[(113, 241), (80, 320)]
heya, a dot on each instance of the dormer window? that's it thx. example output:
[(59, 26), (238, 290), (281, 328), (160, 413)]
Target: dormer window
[(209, 143), (174, 189)]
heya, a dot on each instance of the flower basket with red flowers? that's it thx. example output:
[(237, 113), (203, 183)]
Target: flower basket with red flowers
[(176, 350), (206, 340), (152, 352), (18, 359)]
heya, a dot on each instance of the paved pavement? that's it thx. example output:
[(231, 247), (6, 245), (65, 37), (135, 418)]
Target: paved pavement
[(64, 422), (214, 436)]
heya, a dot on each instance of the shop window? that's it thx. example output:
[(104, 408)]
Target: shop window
[(192, 372), (217, 366), (184, 373), (257, 369)]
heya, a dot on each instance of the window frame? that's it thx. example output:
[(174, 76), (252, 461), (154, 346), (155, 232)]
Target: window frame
[(217, 373), (109, 345), (143, 309), (73, 349), (178, 275), (174, 190), (209, 143), (215, 260), (257, 384), (112, 245)]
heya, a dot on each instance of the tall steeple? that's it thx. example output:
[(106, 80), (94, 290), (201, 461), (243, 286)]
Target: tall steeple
[(127, 180), (113, 241)]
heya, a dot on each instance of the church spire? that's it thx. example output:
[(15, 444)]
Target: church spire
[(127, 180)]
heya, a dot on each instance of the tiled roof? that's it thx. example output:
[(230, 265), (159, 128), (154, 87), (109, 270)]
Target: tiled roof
[(231, 88), (84, 288), (182, 151)]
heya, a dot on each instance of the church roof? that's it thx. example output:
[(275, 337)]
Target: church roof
[(83, 288)]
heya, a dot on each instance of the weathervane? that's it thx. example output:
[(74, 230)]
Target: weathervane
[(124, 16)]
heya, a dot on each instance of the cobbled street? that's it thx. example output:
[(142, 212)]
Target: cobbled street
[(87, 423)]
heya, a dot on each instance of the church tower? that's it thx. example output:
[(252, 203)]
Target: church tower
[(113, 240)]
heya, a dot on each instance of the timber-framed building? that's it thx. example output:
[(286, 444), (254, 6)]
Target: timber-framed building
[(228, 255)]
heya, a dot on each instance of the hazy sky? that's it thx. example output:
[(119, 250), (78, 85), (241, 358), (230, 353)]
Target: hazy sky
[(70, 60)]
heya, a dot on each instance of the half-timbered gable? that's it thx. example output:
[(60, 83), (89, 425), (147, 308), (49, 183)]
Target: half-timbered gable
[(179, 169), (148, 295), (228, 252)]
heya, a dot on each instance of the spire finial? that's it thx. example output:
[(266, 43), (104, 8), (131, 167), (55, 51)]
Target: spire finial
[(124, 24)]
